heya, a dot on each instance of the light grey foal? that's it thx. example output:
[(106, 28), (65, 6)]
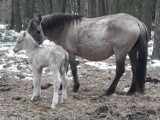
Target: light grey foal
[(55, 57)]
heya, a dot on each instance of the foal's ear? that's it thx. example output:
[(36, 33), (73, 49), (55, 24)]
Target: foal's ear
[(39, 19), (24, 34)]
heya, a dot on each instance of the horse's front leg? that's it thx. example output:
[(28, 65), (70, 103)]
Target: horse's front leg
[(73, 65), (36, 84)]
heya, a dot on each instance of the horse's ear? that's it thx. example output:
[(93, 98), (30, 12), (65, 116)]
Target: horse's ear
[(26, 20), (39, 19), (24, 34)]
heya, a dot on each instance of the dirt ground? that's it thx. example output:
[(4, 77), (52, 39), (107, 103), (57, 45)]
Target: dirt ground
[(87, 104)]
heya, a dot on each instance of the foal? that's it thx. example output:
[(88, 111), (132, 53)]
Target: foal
[(56, 58)]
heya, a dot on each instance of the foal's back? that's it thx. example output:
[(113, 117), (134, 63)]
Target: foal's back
[(46, 56)]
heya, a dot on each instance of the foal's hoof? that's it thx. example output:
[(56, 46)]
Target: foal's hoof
[(76, 87), (60, 87), (33, 99)]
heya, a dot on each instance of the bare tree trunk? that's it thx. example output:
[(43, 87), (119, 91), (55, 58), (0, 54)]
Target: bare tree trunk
[(32, 8), (78, 6), (12, 16), (156, 47), (115, 6), (147, 15), (47, 6), (63, 6), (92, 8), (101, 8), (18, 20), (84, 8), (128, 6), (106, 7), (138, 12)]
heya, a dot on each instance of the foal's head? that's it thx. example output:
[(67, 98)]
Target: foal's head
[(35, 29), (25, 42)]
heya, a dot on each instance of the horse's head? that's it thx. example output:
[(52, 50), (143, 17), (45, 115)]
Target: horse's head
[(35, 29)]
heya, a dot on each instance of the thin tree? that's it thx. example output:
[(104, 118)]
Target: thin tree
[(63, 6), (101, 8), (18, 20), (115, 6), (12, 16), (156, 47), (92, 8), (147, 15)]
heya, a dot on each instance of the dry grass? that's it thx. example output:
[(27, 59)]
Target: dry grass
[(87, 104)]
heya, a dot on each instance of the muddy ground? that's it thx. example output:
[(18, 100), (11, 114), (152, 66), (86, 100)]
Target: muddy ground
[(87, 104)]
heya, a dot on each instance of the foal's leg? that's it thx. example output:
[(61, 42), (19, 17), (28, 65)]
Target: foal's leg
[(56, 85), (64, 86), (119, 71), (36, 84), (73, 65), (133, 59)]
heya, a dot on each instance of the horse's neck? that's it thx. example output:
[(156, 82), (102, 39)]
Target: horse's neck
[(55, 35)]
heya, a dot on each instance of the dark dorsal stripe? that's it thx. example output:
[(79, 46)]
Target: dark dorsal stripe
[(54, 21)]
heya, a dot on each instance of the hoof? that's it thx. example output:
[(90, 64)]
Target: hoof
[(131, 91), (76, 87), (60, 87), (33, 99), (108, 93)]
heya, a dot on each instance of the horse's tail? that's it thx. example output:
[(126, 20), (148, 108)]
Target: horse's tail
[(141, 58)]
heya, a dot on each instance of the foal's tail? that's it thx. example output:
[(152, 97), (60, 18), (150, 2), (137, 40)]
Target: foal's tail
[(141, 58), (64, 64)]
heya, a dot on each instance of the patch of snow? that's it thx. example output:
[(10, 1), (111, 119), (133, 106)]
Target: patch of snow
[(114, 94), (154, 63), (2, 26), (21, 56), (12, 68), (1, 67), (126, 89), (101, 65), (47, 42), (28, 78)]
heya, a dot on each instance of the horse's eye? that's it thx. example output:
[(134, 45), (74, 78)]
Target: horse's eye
[(38, 31)]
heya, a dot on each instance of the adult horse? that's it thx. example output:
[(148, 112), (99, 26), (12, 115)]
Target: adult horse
[(97, 39)]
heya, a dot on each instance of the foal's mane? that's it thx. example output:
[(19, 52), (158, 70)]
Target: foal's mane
[(54, 21)]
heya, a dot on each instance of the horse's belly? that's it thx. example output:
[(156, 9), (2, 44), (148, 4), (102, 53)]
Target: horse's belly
[(94, 53)]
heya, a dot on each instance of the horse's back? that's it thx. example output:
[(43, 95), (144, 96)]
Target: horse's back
[(100, 37)]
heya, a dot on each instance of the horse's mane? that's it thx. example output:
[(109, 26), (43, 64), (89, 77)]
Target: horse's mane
[(54, 21)]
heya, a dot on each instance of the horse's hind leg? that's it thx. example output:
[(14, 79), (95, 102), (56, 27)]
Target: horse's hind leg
[(73, 65), (133, 59), (120, 68)]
